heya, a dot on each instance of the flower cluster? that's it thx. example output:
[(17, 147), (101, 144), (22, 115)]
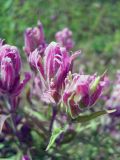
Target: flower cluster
[(55, 83), (10, 66), (34, 40), (82, 91), (64, 37), (53, 68)]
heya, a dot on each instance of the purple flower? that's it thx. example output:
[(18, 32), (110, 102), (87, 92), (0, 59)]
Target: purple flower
[(25, 157), (64, 37), (34, 38), (10, 66), (111, 126), (53, 69), (33, 57), (81, 92), (114, 101)]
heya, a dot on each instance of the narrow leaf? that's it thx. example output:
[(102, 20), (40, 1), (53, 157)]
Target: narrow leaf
[(34, 114), (86, 118), (16, 157), (56, 132)]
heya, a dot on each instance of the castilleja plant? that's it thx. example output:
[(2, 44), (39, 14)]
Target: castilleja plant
[(10, 88), (55, 85), (53, 68), (10, 66), (81, 92), (34, 40)]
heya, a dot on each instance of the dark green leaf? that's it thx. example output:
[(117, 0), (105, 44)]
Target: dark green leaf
[(16, 157), (34, 114), (86, 118)]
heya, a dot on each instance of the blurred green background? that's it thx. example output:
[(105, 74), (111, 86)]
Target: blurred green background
[(95, 25)]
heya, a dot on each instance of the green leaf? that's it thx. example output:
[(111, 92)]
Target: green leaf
[(2, 121), (56, 132), (34, 114), (86, 118), (16, 157), (7, 4), (95, 84)]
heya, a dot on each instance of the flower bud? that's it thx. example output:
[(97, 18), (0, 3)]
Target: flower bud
[(10, 66), (12, 53), (25, 157), (34, 38), (64, 37)]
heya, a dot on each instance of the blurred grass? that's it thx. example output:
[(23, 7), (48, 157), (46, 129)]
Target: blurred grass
[(95, 25)]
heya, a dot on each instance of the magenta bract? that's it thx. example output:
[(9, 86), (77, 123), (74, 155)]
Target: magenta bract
[(10, 66), (34, 38), (81, 92), (25, 157), (53, 69), (64, 38)]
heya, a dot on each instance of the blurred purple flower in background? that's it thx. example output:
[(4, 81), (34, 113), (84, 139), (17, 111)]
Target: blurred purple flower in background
[(82, 91), (114, 101), (10, 66), (53, 69), (64, 38), (25, 157), (34, 38)]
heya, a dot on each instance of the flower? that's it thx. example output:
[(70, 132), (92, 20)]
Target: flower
[(53, 69), (64, 37), (10, 66), (34, 38), (81, 92), (114, 100), (33, 57), (25, 157)]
